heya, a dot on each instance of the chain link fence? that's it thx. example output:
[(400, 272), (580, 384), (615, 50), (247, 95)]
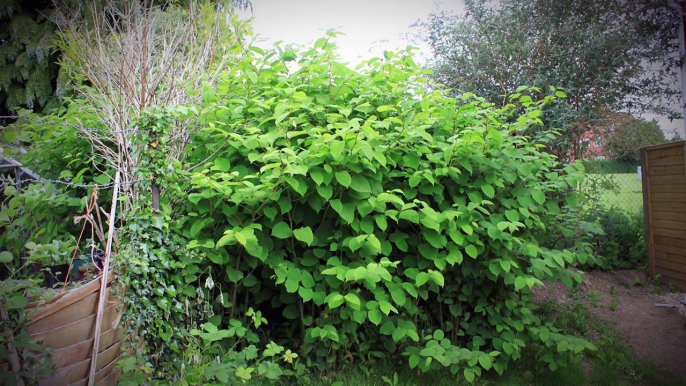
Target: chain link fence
[(614, 185)]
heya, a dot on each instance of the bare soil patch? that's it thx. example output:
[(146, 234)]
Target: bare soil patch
[(627, 300)]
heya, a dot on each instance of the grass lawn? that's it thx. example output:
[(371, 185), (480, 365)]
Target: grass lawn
[(629, 197)]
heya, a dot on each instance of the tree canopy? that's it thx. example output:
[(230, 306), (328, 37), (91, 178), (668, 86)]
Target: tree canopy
[(626, 136), (618, 55)]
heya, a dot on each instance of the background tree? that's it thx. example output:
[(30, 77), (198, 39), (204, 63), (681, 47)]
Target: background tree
[(626, 136), (27, 62), (30, 75), (619, 55)]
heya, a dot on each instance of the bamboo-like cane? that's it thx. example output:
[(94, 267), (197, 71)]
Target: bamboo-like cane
[(103, 284)]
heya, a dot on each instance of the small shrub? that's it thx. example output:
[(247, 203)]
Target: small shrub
[(622, 244)]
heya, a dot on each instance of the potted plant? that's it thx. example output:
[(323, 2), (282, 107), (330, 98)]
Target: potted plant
[(54, 257)]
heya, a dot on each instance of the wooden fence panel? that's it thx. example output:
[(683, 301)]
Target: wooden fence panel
[(664, 209)]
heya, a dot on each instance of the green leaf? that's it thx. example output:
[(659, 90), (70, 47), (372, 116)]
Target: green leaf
[(485, 361), (5, 257), (353, 301), (336, 300), (375, 316), (343, 178), (538, 196), (512, 215), (304, 234), (471, 251), (336, 148), (299, 95), (359, 184), (520, 283), (282, 230), (469, 375), (398, 296), (488, 190), (381, 221), (437, 278), (411, 160), (410, 215), (317, 176)]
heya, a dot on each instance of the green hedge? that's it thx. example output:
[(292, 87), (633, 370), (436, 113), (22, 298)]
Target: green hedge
[(609, 166)]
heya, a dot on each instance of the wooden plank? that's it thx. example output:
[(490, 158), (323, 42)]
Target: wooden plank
[(652, 150), (665, 153), (676, 233), (668, 170), (79, 371), (64, 299), (668, 273), (670, 224), (75, 353), (69, 314), (669, 216), (79, 331), (668, 160), (671, 241), (669, 249), (665, 256), (668, 197), (681, 187), (109, 380), (100, 375), (665, 180), (676, 267), (646, 180), (662, 206)]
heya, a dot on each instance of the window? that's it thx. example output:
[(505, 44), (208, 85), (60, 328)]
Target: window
[(584, 143), (597, 142), (600, 157)]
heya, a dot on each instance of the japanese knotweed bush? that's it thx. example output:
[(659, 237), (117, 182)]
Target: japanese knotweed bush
[(380, 217)]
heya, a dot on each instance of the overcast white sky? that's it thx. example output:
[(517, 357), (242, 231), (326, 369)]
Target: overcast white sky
[(365, 24)]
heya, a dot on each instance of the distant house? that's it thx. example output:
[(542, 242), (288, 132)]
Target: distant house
[(591, 146)]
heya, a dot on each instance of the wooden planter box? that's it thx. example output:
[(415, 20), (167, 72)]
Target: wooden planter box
[(66, 324)]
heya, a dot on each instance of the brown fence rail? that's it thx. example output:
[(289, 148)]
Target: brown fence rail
[(663, 168)]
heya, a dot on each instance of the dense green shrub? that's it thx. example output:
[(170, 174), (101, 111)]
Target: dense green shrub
[(622, 244), (379, 218)]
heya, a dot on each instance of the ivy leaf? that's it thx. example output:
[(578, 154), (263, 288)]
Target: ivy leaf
[(304, 234)]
